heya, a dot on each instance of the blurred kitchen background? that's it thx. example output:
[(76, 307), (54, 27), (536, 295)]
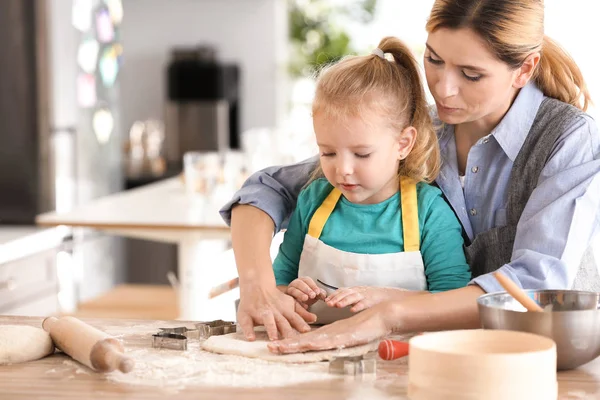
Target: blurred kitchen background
[(100, 96)]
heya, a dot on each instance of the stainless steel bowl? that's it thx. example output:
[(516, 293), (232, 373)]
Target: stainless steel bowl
[(571, 319)]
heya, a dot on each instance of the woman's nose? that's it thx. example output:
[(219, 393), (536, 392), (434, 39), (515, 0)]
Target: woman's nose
[(447, 85)]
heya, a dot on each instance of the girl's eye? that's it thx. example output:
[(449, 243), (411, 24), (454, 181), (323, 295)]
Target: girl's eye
[(363, 155), (327, 154), (433, 60), (472, 78)]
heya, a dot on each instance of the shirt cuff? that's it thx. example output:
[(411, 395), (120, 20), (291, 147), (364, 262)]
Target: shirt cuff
[(490, 284), (270, 203)]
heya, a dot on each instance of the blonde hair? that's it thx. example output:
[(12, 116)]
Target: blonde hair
[(513, 30), (359, 84)]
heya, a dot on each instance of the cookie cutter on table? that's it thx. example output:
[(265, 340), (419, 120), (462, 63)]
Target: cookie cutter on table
[(213, 328), (359, 366), (176, 338), (166, 340), (181, 330)]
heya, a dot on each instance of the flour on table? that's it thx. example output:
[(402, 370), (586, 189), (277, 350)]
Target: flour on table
[(172, 370), (22, 343), (236, 344)]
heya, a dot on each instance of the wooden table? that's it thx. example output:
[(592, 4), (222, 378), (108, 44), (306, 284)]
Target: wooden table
[(163, 212), (132, 301), (57, 377)]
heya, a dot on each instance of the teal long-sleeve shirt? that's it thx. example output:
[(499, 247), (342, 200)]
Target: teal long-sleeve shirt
[(377, 229)]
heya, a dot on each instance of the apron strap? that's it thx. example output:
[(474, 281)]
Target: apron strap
[(319, 218), (410, 214)]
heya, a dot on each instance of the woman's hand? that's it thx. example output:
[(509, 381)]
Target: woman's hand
[(363, 297), (305, 291), (372, 324), (261, 303), (278, 312)]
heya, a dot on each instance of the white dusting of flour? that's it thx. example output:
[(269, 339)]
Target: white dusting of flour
[(195, 367), (171, 370)]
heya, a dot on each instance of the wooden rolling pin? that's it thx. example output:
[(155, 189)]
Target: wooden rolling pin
[(88, 345)]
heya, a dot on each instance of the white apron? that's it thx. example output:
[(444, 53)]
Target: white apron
[(345, 269)]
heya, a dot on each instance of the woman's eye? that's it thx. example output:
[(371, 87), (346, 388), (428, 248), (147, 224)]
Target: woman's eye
[(472, 78), (362, 155), (327, 154), (433, 60)]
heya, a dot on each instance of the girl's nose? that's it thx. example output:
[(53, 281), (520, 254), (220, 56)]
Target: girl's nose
[(345, 167)]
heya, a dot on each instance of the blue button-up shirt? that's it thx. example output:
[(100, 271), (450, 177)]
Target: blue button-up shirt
[(556, 227)]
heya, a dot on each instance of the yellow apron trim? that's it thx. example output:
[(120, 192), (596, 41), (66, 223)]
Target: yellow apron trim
[(410, 214), (318, 220)]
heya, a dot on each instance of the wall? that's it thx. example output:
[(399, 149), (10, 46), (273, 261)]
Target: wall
[(249, 32)]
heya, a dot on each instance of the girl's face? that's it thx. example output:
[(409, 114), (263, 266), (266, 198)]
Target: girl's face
[(360, 155), (466, 80)]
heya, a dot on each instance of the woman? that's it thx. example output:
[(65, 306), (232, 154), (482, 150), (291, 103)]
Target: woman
[(521, 164)]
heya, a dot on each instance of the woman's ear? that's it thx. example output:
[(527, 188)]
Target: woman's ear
[(406, 142), (526, 70)]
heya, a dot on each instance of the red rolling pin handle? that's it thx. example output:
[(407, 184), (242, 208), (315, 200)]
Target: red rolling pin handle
[(392, 349)]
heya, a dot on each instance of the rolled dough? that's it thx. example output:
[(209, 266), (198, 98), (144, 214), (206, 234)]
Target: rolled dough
[(236, 344), (21, 343)]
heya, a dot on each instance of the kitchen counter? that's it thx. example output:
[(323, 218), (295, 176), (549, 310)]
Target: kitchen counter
[(18, 241), (58, 376), (163, 212), (29, 283), (158, 211)]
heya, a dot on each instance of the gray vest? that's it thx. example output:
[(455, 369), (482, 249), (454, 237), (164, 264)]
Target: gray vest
[(493, 248)]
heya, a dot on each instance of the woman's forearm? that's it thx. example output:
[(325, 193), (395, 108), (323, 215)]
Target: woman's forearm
[(251, 236), (454, 309)]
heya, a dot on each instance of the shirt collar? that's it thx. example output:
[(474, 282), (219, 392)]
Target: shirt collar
[(512, 130)]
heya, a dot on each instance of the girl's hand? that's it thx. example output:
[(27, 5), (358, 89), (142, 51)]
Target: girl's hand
[(363, 297), (372, 324), (305, 291)]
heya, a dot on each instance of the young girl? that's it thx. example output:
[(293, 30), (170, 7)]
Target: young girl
[(371, 228)]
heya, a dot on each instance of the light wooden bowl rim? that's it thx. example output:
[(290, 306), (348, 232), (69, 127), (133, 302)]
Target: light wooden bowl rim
[(438, 342)]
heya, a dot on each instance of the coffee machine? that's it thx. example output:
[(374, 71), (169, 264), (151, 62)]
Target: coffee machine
[(203, 104)]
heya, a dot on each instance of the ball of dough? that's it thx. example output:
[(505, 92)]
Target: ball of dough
[(21, 343)]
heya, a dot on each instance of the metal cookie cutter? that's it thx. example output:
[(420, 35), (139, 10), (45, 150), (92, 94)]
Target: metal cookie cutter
[(176, 338), (212, 328), (359, 366), (182, 330), (165, 340)]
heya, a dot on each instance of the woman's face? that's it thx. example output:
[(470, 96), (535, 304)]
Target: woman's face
[(466, 80)]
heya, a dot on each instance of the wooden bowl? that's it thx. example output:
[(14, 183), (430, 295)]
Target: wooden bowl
[(482, 364)]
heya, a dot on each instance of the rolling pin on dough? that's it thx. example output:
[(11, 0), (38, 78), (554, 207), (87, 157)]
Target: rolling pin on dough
[(87, 344)]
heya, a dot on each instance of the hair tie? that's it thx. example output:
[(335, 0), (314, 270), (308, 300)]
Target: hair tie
[(378, 52)]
